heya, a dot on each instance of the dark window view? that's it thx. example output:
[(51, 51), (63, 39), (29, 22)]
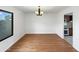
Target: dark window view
[(5, 24)]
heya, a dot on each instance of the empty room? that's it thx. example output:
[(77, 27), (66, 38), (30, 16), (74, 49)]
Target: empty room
[(39, 28)]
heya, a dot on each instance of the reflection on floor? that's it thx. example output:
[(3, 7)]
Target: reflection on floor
[(69, 39), (41, 43)]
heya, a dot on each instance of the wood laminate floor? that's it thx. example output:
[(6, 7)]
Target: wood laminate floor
[(41, 43)]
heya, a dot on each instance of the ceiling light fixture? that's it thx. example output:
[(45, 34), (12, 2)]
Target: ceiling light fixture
[(39, 12)]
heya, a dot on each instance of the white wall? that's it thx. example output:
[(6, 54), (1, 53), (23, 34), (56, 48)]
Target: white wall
[(19, 29), (75, 11), (45, 24)]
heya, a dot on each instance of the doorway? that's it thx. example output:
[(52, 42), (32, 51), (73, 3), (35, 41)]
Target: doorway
[(68, 28)]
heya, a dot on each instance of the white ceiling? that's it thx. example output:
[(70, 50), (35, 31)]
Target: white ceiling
[(47, 9)]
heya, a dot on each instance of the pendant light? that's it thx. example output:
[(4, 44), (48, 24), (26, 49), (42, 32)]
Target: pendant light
[(39, 12)]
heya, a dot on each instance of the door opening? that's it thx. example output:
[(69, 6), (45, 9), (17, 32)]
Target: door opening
[(68, 28)]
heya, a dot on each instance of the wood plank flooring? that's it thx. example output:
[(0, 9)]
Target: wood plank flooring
[(41, 43)]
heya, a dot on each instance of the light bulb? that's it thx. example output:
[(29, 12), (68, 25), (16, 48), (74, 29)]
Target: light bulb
[(41, 12), (36, 12)]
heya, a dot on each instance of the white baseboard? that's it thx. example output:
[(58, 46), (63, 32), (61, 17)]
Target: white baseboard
[(17, 39), (40, 33)]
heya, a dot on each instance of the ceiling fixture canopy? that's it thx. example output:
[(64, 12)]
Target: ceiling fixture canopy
[(39, 12)]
